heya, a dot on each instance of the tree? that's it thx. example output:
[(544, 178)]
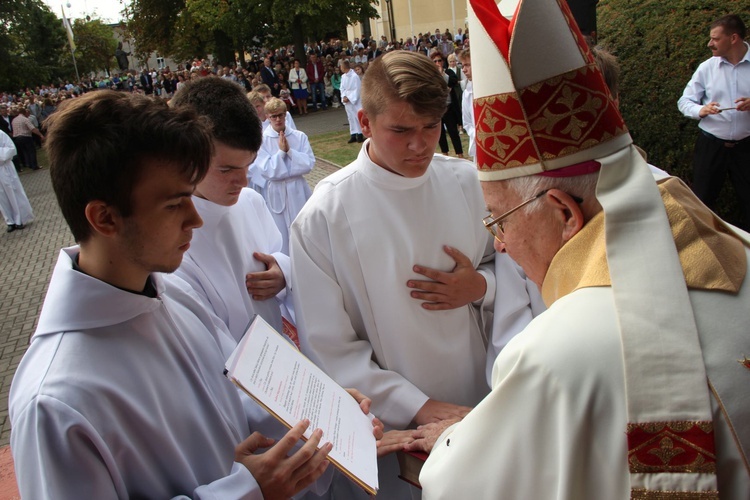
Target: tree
[(189, 28), (659, 45), (32, 44), (95, 45), (314, 18)]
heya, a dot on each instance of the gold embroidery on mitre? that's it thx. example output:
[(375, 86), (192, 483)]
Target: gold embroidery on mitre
[(501, 138), (744, 362), (643, 494), (575, 125)]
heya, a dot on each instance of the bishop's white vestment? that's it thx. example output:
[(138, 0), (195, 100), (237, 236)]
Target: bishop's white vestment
[(554, 424)]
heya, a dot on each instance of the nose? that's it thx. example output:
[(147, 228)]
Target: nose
[(241, 177), (192, 219), (418, 142), (499, 246)]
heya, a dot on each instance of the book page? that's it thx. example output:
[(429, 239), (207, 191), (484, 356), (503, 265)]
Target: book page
[(292, 388)]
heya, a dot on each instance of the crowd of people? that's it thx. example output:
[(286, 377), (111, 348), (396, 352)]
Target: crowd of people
[(558, 309)]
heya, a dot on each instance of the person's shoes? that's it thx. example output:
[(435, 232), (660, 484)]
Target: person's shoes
[(11, 228), (352, 139), (460, 155), (20, 226), (360, 138)]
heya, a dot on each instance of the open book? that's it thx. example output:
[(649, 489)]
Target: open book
[(283, 381)]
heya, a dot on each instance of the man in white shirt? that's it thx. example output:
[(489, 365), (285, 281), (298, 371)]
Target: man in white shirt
[(235, 261), (718, 95), (350, 96), (121, 393)]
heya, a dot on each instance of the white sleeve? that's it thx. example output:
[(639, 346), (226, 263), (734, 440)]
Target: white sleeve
[(58, 454), (691, 101), (550, 428), (301, 155)]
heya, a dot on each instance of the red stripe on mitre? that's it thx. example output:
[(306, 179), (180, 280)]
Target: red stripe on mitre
[(570, 113), (675, 447), (587, 167), (495, 24), (503, 138)]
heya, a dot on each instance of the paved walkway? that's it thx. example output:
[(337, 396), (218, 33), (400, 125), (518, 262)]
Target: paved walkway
[(28, 256)]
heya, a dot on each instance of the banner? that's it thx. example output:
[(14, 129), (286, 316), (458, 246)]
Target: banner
[(68, 30)]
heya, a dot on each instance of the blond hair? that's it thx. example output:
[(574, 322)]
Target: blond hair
[(404, 76), (255, 97), (274, 106)]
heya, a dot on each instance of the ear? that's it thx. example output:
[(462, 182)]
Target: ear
[(364, 123), (103, 218), (567, 211)]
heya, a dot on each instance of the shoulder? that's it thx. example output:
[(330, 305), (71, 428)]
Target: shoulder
[(708, 65), (458, 168), (332, 194), (250, 198), (568, 341), (297, 133)]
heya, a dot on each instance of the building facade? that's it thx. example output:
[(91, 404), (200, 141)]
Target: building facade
[(404, 18)]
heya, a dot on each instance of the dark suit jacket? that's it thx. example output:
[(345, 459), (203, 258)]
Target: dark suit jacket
[(147, 83), (271, 79), (5, 127)]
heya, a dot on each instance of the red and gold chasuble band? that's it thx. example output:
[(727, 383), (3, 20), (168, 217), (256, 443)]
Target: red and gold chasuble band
[(686, 447)]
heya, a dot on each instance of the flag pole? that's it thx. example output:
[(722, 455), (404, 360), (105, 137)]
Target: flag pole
[(71, 42)]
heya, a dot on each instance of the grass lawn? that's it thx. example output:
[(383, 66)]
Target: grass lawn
[(333, 147)]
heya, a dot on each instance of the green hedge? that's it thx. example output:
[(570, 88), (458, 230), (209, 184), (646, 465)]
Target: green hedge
[(659, 44)]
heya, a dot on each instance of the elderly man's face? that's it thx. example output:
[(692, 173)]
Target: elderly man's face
[(532, 240)]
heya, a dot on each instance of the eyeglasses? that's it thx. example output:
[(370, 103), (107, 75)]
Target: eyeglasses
[(496, 225), (277, 117)]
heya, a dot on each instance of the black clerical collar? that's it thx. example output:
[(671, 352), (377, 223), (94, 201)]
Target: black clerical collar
[(149, 290)]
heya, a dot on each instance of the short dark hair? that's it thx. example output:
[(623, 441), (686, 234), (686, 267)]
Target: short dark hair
[(98, 144), (234, 121), (731, 24)]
